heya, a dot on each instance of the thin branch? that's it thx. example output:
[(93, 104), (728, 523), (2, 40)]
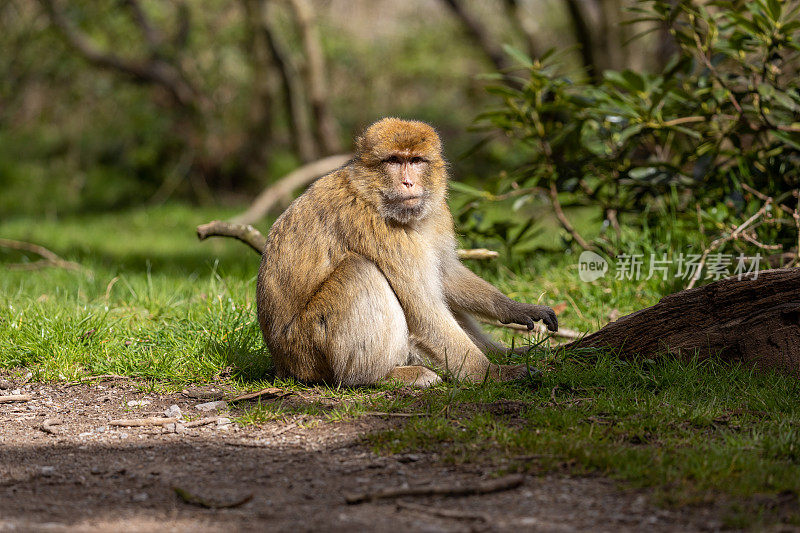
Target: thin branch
[(565, 223), (16, 398), (245, 233), (482, 487), (716, 243), (538, 328), (150, 33), (283, 188), (326, 129), (256, 240), (477, 253), (151, 71), (201, 422), (445, 513), (269, 392), (49, 258)]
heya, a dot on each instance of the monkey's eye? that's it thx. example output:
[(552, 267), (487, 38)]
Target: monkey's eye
[(392, 160), (417, 160)]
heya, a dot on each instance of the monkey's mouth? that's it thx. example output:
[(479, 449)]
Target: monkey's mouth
[(405, 200), (411, 201)]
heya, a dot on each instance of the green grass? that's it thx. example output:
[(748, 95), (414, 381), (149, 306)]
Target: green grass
[(170, 310)]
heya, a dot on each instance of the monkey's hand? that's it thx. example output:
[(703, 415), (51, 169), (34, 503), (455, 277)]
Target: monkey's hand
[(527, 314)]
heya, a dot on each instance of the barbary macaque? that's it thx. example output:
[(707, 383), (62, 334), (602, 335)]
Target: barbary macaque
[(360, 280)]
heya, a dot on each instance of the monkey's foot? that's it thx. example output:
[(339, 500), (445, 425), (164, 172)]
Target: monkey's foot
[(417, 376)]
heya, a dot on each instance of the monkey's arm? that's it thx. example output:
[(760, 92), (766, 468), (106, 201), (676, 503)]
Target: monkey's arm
[(466, 291)]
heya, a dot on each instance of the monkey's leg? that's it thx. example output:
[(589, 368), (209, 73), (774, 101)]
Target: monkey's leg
[(418, 376), (357, 325)]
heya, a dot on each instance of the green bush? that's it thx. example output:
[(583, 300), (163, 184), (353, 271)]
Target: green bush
[(720, 121)]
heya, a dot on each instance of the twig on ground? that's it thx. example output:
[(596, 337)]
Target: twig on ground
[(16, 398), (482, 487), (270, 392), (140, 422), (49, 258), (445, 513), (193, 499), (47, 425), (200, 422)]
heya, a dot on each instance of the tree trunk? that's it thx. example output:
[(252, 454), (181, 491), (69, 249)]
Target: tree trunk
[(755, 321)]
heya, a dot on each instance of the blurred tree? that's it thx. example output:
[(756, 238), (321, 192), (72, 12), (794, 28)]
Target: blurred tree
[(163, 62)]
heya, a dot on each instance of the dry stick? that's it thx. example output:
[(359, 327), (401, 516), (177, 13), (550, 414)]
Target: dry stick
[(483, 487), (256, 240), (49, 258), (562, 218), (47, 425), (538, 328), (140, 422), (16, 398), (283, 188), (200, 422), (272, 392), (245, 233), (716, 243), (477, 253), (763, 197), (445, 513)]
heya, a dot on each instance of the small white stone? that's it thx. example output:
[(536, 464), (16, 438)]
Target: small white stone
[(212, 406), (138, 403), (141, 497), (222, 421), (47, 471), (173, 412)]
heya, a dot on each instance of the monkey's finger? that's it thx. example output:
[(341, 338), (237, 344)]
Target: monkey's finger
[(528, 323), (552, 321)]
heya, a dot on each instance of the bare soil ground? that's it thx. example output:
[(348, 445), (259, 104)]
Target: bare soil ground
[(77, 473)]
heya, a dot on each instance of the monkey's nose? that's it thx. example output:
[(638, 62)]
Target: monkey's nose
[(408, 183)]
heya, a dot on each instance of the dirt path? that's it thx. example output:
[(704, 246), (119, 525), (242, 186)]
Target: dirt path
[(88, 476)]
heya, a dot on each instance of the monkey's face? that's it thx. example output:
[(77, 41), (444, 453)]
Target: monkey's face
[(406, 169)]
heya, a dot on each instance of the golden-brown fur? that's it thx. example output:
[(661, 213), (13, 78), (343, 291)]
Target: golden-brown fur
[(360, 275)]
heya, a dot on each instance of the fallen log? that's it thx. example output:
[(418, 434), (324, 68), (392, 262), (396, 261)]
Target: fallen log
[(755, 321)]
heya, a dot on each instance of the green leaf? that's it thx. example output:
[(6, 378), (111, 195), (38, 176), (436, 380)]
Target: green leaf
[(518, 55)]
